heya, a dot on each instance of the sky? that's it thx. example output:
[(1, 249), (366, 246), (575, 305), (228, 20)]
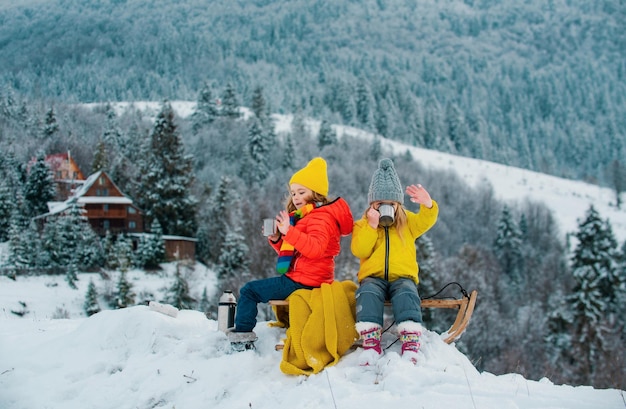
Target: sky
[(55, 357)]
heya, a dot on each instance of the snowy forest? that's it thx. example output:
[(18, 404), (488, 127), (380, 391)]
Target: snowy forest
[(549, 97), (534, 84)]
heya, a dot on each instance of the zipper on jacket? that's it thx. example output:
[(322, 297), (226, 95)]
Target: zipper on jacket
[(386, 253)]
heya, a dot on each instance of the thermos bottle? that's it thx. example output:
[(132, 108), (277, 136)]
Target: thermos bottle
[(226, 311)]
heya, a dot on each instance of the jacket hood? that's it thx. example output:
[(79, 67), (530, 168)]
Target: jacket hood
[(340, 210)]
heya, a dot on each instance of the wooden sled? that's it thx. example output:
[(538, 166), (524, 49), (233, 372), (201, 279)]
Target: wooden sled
[(464, 305)]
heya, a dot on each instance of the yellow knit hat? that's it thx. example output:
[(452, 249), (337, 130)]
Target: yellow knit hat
[(313, 176)]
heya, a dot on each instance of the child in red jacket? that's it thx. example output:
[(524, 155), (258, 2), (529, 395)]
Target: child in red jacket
[(307, 242)]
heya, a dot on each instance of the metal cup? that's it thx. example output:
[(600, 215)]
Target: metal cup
[(269, 227), (387, 214)]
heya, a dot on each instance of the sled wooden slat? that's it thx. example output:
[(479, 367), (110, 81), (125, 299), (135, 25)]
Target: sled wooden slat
[(465, 306)]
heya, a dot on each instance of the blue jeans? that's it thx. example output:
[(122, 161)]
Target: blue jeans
[(254, 292), (371, 296)]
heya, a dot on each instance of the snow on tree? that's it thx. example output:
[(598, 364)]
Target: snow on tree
[(51, 126), (617, 177), (7, 207), (259, 105), (218, 219), (100, 158), (151, 249), (230, 103), (21, 254), (178, 294), (363, 104), (428, 284), (167, 178), (381, 119), (124, 295), (432, 124), (596, 280), (205, 305), (71, 274), (233, 263), (108, 247), (123, 252), (376, 149), (206, 110), (70, 242), (91, 305), (289, 154), (39, 188), (255, 168), (326, 135), (508, 247)]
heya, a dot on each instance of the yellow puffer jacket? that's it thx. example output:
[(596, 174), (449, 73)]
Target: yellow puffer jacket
[(369, 245)]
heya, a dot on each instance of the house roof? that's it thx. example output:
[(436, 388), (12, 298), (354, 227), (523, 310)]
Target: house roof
[(80, 196)]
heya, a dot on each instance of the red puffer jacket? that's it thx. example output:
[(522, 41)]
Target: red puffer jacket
[(316, 239)]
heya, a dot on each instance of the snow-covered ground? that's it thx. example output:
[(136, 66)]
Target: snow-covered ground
[(138, 358)]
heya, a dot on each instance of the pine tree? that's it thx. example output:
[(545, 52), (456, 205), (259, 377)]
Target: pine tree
[(204, 305), (230, 104), (508, 247), (151, 248), (233, 263), (457, 132), (594, 271), (432, 124), (51, 126), (100, 159), (39, 188), (344, 103), (70, 242), (376, 150), (123, 253), (216, 221), (108, 248), (6, 210), (617, 178), (363, 104), (381, 119), (167, 179), (256, 168), (112, 135), (71, 274), (124, 297), (425, 252), (91, 305), (206, 110), (20, 246), (258, 104), (178, 294), (289, 154), (326, 135)]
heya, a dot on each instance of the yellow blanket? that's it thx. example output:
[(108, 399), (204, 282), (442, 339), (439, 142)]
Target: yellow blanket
[(321, 327)]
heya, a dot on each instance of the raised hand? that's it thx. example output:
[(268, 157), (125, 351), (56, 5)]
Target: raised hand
[(419, 195)]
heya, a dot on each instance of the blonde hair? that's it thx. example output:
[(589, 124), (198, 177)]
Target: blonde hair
[(315, 198), (400, 220)]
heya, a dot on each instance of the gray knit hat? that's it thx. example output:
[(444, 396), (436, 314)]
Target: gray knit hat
[(385, 184)]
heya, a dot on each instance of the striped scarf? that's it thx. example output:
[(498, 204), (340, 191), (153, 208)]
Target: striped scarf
[(285, 255)]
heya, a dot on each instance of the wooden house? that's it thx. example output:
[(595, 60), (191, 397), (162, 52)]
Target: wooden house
[(66, 173), (106, 207)]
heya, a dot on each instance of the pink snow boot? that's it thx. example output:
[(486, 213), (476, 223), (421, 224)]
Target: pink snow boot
[(410, 333), (370, 334)]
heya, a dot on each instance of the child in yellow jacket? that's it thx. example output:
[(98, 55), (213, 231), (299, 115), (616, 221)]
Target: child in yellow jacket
[(384, 241)]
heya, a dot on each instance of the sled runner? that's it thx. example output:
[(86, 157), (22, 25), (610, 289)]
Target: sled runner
[(464, 304)]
